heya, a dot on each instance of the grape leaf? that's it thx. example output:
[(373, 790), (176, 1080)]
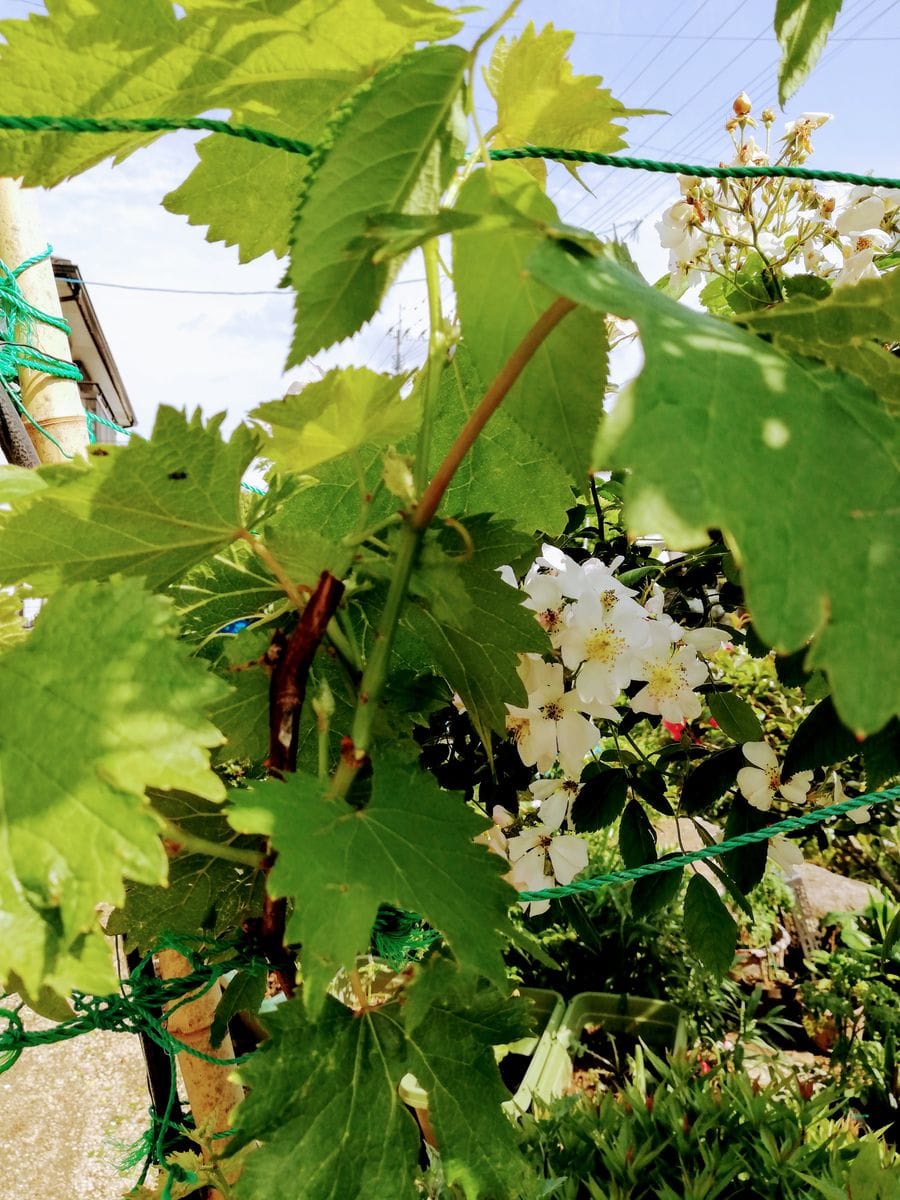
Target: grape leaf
[(103, 671), (227, 587), (802, 28), (709, 927), (795, 462), (96, 58), (849, 330), (323, 1100), (350, 1064), (392, 149), (243, 715), (558, 398), (452, 1025), (18, 482), (541, 103), (507, 472), (411, 846), (467, 624), (151, 508), (203, 895), (12, 627), (342, 411)]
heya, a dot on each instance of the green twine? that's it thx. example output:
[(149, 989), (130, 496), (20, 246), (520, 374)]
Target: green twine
[(131, 1010), (558, 153), (17, 318), (262, 137), (813, 817), (401, 937)]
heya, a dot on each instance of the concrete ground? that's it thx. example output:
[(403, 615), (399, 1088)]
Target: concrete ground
[(67, 1111)]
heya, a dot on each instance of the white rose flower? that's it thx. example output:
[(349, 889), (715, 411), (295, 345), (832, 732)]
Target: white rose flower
[(541, 860), (760, 783)]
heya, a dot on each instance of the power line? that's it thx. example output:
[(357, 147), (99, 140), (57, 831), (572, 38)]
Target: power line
[(142, 287), (830, 54), (624, 189)]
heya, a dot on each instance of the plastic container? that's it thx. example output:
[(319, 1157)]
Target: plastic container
[(655, 1022), (548, 1008)]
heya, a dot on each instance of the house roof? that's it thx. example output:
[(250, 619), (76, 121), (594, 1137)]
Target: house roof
[(90, 349)]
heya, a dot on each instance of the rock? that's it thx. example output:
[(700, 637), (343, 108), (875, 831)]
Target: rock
[(828, 892)]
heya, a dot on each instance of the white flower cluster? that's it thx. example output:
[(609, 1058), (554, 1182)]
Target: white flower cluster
[(786, 225), (603, 639)]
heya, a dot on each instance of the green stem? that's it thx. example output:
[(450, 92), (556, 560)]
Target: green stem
[(375, 674), (189, 843), (437, 352)]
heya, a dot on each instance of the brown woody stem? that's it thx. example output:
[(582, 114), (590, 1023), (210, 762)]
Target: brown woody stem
[(290, 675), (493, 397)]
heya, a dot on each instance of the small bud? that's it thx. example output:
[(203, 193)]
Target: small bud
[(742, 105), (398, 475), (731, 124), (768, 116)]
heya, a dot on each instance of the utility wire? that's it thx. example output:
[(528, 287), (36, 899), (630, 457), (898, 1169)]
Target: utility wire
[(647, 188)]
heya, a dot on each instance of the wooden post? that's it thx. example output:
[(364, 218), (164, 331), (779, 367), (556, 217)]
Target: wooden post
[(54, 403), (212, 1095)]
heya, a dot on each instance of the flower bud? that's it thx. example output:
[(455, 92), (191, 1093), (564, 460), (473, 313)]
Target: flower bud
[(731, 124), (742, 105), (768, 116)]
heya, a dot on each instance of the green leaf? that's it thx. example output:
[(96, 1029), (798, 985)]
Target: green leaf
[(348, 1066), (653, 892), (507, 472), (747, 865), (151, 509), (541, 103), (753, 452), (245, 993), (802, 28), (881, 755), (600, 801), (203, 896), (709, 927), (637, 837), (243, 715), (735, 717), (283, 67), (342, 411), (16, 483), (558, 398), (469, 625), (711, 779), (231, 586), (411, 846), (850, 330), (323, 1099), (451, 1053), (821, 740), (392, 149), (307, 65), (98, 703)]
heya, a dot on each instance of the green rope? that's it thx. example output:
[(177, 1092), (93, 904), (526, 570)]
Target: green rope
[(131, 1010), (558, 153), (813, 817), (262, 137), (401, 937), (17, 318)]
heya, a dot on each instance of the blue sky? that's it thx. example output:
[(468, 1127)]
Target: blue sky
[(226, 352)]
